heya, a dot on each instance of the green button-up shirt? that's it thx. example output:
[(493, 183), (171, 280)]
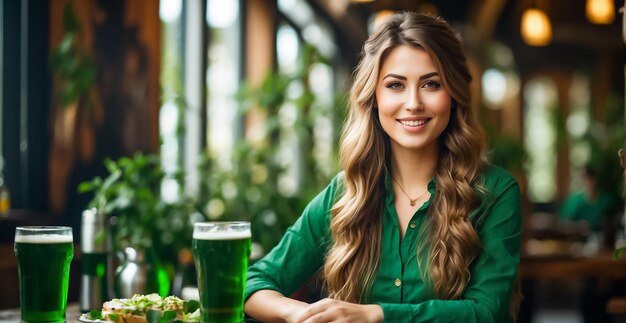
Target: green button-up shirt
[(399, 287)]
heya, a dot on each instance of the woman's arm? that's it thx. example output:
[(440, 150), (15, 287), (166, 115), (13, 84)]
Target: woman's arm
[(272, 306), (295, 259)]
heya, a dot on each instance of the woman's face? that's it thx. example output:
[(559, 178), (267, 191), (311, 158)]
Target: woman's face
[(413, 106)]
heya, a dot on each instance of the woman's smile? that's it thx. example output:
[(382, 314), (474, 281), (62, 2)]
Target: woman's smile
[(413, 124)]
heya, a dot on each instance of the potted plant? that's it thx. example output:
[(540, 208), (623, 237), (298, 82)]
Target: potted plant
[(146, 230)]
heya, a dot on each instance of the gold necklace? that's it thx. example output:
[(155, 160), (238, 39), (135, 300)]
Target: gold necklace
[(412, 201)]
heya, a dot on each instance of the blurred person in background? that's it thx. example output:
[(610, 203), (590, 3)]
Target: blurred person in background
[(594, 208), (593, 205)]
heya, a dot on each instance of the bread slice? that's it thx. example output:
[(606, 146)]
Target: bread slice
[(134, 310)]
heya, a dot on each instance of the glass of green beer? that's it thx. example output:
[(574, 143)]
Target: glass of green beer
[(43, 259), (221, 251)]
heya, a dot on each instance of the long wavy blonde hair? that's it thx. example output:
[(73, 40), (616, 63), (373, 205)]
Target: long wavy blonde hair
[(351, 264)]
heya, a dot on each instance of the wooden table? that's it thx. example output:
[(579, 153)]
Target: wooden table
[(71, 315), (617, 307), (566, 266), (13, 315)]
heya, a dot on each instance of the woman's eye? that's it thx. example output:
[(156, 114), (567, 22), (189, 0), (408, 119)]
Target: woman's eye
[(395, 86), (431, 85)]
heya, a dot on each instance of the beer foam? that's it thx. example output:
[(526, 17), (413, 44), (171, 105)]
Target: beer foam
[(222, 235), (44, 238)]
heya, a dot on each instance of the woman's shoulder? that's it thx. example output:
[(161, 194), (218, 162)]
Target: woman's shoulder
[(496, 178), (500, 197), (324, 201), (339, 177), (336, 184)]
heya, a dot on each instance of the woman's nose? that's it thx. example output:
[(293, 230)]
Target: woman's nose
[(413, 100)]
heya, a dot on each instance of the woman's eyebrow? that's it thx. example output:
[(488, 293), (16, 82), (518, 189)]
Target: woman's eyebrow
[(396, 76), (429, 75), (425, 76)]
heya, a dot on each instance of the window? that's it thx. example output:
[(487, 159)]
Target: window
[(577, 125), (199, 107), (300, 31), (24, 101), (223, 77), (540, 100), (298, 25), (172, 101)]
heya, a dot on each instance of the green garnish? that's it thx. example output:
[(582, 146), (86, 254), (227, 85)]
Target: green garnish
[(95, 315), (191, 306), (153, 316), (168, 316), (114, 317), (192, 317)]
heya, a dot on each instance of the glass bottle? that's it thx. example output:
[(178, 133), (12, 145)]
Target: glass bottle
[(94, 253), (5, 194)]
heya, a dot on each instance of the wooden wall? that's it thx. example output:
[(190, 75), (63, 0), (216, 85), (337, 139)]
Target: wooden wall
[(123, 38)]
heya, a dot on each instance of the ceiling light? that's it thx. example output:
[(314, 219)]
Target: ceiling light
[(536, 27), (600, 11)]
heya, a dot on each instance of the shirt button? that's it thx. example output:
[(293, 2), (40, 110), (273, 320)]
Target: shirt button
[(412, 225), (397, 282)]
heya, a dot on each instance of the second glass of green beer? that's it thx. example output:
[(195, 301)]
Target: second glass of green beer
[(221, 251), (43, 258)]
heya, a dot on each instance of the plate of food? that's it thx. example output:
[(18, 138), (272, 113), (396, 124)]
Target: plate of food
[(150, 308)]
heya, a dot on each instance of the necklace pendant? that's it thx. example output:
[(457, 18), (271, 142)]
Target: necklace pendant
[(412, 202)]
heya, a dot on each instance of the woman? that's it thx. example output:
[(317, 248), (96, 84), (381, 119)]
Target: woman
[(417, 228)]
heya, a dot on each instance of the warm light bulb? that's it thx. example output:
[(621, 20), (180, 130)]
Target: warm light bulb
[(600, 11), (536, 27)]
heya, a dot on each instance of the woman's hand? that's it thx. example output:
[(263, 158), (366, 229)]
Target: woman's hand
[(271, 306), (330, 310)]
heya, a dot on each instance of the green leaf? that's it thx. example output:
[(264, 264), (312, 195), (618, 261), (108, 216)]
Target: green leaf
[(95, 315), (153, 316), (114, 317), (168, 316), (111, 179), (110, 165), (191, 306), (66, 45), (70, 21), (617, 253), (85, 187)]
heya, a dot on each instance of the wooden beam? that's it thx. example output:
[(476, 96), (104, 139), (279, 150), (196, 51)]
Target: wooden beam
[(484, 17), (260, 50)]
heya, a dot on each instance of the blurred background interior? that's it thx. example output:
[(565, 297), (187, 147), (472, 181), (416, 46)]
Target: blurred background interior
[(161, 113)]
